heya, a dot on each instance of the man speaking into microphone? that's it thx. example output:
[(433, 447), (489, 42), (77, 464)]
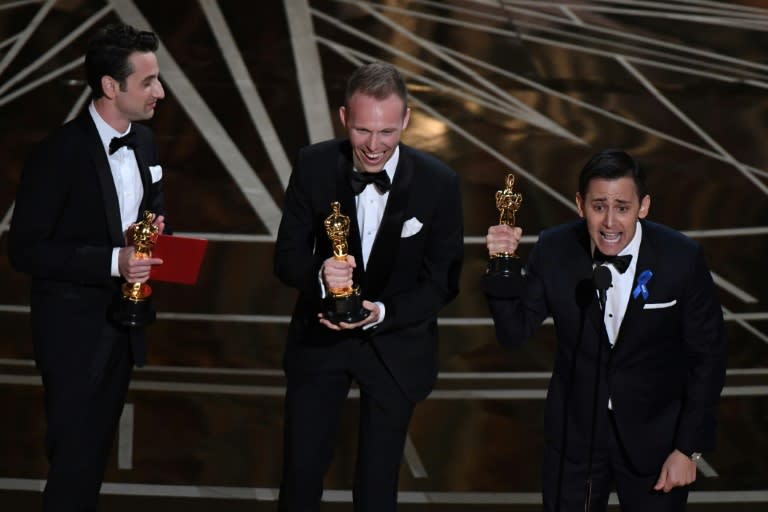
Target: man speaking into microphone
[(641, 355)]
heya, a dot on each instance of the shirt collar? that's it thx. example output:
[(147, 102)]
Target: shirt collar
[(106, 132)]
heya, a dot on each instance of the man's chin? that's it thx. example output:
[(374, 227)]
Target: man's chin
[(610, 249), (372, 169)]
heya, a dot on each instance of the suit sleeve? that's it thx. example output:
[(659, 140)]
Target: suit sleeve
[(294, 260), (705, 346), (34, 247), (518, 303), (438, 281)]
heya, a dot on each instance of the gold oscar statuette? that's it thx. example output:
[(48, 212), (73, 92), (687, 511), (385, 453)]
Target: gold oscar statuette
[(133, 307), (341, 304), (508, 203)]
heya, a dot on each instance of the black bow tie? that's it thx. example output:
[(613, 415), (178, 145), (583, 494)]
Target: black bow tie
[(621, 263), (360, 180), (128, 141)]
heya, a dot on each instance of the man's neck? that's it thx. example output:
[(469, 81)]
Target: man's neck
[(109, 114)]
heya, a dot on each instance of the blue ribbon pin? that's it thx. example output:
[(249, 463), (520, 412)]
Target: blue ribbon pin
[(642, 279)]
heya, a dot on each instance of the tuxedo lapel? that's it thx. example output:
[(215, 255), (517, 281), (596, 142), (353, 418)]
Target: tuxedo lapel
[(346, 197), (106, 183), (385, 247), (593, 310), (146, 178)]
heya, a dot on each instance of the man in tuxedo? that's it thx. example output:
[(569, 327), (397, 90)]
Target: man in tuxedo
[(640, 362), (80, 190), (405, 246)]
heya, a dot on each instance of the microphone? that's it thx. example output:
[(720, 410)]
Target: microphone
[(601, 277)]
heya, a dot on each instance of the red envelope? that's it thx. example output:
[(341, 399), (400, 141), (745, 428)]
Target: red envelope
[(182, 257)]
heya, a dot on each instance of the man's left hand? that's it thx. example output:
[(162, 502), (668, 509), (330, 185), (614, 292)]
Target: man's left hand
[(678, 470)]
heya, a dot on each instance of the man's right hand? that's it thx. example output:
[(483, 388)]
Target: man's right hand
[(503, 238), (337, 274), (133, 269)]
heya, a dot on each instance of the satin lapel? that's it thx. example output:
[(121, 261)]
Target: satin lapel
[(384, 251), (346, 197), (646, 260), (106, 182), (146, 179), (594, 312)]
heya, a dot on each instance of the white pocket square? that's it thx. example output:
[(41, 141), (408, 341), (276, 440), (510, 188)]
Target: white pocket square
[(156, 172), (659, 305), (411, 227)]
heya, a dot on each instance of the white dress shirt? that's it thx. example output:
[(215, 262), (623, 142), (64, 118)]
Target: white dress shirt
[(617, 296), (125, 174)]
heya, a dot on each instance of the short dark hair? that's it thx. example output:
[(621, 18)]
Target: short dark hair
[(377, 79), (612, 164), (108, 53)]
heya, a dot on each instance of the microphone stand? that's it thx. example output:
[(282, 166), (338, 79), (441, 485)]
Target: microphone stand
[(602, 279)]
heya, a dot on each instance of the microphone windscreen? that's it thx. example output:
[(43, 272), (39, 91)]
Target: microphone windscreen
[(601, 276)]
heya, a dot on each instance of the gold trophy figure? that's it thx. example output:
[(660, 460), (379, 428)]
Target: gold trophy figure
[(507, 202), (341, 304), (133, 308)]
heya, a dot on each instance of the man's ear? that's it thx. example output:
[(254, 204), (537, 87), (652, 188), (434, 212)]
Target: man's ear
[(343, 116), (580, 205), (109, 86), (407, 117), (645, 205)]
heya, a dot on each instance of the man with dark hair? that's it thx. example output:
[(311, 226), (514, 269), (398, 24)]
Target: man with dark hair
[(641, 354), (81, 189), (405, 245)]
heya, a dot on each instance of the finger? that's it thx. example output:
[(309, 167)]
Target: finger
[(144, 264), (502, 229), (321, 318), (330, 325), (356, 325), (371, 318)]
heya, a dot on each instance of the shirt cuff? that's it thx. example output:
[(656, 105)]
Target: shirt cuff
[(320, 280), (115, 269)]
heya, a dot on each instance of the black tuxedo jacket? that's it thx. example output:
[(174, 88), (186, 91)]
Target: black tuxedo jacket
[(666, 370), (413, 276), (65, 223)]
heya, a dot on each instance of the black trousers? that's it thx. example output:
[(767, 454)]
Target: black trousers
[(83, 406), (565, 479), (313, 403)]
